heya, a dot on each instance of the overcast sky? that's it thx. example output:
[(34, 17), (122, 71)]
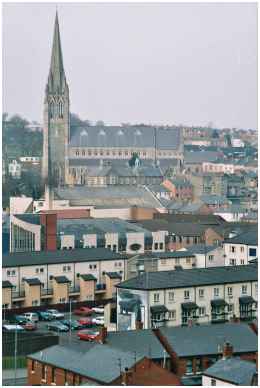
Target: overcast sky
[(153, 63)]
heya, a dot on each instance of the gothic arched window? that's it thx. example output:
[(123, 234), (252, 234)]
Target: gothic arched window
[(51, 110), (60, 109)]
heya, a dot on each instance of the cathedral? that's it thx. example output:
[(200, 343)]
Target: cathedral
[(68, 151)]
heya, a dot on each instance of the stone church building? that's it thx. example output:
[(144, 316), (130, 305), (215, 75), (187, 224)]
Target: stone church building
[(68, 152)]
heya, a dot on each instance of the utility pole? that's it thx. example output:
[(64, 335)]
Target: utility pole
[(15, 353)]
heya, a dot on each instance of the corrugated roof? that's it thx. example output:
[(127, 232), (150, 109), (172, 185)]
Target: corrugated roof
[(191, 277)]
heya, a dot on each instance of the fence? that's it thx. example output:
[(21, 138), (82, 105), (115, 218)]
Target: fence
[(27, 343), (65, 307)]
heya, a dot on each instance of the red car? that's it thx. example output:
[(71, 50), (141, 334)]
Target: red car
[(87, 322), (30, 326), (87, 335), (83, 311)]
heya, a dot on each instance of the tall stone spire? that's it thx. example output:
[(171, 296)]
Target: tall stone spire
[(56, 79)]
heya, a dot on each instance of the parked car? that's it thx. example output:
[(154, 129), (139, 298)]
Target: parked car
[(29, 326), (83, 311), (87, 335), (86, 322), (98, 310), (55, 314), (44, 316), (18, 319), (12, 328), (99, 321), (31, 317), (57, 326), (75, 325)]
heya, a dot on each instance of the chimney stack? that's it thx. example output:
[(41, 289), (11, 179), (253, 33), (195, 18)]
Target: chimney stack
[(127, 377), (227, 350), (102, 335)]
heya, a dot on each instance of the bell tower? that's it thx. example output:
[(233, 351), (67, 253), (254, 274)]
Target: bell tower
[(56, 118)]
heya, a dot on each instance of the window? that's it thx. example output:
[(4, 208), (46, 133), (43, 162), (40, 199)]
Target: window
[(213, 382), (53, 375), (188, 260), (198, 365), (109, 246), (35, 302), (44, 372), (62, 300), (252, 252), (33, 366), (201, 293), (242, 262), (171, 296), (41, 270), (230, 308), (114, 247), (161, 245), (119, 264), (186, 294), (242, 249), (163, 261), (211, 257), (156, 246), (172, 315), (244, 289), (90, 266), (232, 262), (188, 240), (230, 291), (232, 249), (156, 297), (202, 311), (37, 270), (68, 268), (216, 292), (189, 367)]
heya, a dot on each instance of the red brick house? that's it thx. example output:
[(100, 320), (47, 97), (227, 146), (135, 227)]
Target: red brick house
[(181, 189)]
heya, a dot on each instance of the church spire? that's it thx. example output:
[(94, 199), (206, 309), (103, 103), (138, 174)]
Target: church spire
[(56, 80)]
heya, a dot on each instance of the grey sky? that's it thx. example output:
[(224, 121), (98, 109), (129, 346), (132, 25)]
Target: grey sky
[(154, 63)]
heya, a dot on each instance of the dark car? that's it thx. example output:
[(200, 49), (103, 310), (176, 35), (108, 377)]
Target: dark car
[(44, 316), (75, 325), (57, 326), (21, 319)]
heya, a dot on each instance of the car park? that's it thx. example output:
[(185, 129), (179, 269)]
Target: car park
[(98, 310), (87, 335), (84, 311), (44, 316), (86, 322), (31, 317), (98, 321), (57, 326), (55, 314), (75, 325)]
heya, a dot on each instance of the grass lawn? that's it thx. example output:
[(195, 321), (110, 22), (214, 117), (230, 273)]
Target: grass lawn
[(8, 362)]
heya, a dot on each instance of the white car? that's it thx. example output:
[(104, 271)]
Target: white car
[(13, 328), (33, 317), (98, 321), (55, 314), (98, 310)]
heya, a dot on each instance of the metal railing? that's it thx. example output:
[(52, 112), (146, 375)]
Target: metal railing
[(18, 294), (46, 291)]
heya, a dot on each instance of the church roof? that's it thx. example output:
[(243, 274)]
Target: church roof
[(116, 136)]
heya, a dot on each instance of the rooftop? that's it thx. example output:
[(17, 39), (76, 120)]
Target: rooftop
[(18, 259), (191, 277), (208, 339), (247, 238), (233, 370)]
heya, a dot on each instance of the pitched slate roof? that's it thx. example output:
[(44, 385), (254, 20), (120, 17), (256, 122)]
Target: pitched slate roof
[(117, 196), (116, 136), (61, 279), (60, 256), (178, 228), (202, 248), (100, 362), (199, 157), (33, 281), (208, 339), (248, 238), (113, 275), (232, 370), (87, 277), (191, 277), (6, 284)]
